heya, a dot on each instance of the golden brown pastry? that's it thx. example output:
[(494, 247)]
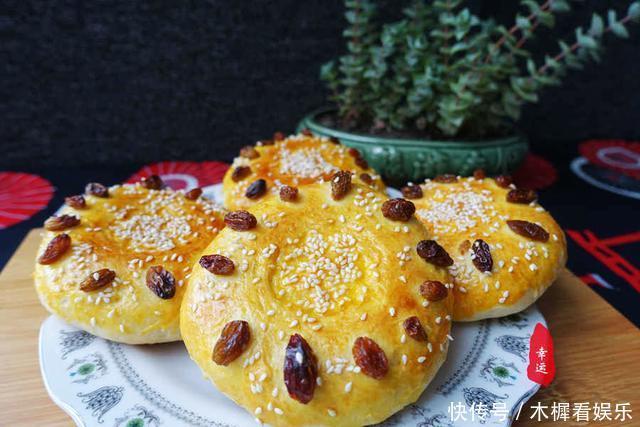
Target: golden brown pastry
[(116, 260), (505, 249), (295, 161), (317, 309)]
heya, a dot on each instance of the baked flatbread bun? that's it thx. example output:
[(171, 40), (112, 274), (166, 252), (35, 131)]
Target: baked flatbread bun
[(297, 160), (115, 261), (317, 310), (506, 250)]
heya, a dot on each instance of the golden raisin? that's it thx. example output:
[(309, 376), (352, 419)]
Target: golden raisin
[(240, 173), (240, 220), (193, 194), (528, 229), (152, 182), (96, 189), (233, 341), (433, 290), (98, 280), (57, 247), (62, 222), (340, 184), (414, 329), (398, 209), (370, 357), (288, 193), (76, 202), (249, 152)]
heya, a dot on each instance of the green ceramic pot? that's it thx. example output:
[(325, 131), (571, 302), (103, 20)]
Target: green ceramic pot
[(401, 160)]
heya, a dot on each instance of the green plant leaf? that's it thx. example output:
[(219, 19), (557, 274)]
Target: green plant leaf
[(634, 11), (619, 30), (597, 25)]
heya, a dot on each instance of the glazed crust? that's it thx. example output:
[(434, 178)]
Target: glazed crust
[(128, 232), (331, 271), (294, 161), (523, 269)]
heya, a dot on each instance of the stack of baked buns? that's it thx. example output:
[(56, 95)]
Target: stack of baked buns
[(313, 298)]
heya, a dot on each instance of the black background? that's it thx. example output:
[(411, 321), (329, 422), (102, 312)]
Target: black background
[(124, 82)]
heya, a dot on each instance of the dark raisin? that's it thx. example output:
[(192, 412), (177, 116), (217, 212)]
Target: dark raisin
[(414, 329), (340, 184), (433, 253), (278, 136), (152, 182), (256, 189), (240, 173), (288, 193), (98, 280), (479, 174), (249, 152), (366, 178), (482, 255), (398, 209), (361, 162), (520, 195), (306, 132), (334, 140), (412, 191), (446, 178), (161, 282), (433, 290), (464, 247), (240, 220), (96, 189), (193, 194), (528, 229), (217, 264), (57, 247), (76, 202), (62, 222), (233, 341), (504, 181), (370, 357), (300, 369)]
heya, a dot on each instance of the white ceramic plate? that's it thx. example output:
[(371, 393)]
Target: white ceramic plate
[(99, 382)]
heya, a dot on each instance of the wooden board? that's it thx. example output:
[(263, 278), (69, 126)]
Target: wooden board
[(597, 349)]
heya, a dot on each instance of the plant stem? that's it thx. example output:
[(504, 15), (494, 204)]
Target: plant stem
[(502, 40), (575, 46)]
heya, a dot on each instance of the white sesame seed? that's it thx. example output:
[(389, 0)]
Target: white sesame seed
[(278, 411), (348, 386), (421, 359), (392, 312), (331, 412), (404, 359)]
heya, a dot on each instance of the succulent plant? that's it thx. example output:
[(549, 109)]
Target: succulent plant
[(445, 72)]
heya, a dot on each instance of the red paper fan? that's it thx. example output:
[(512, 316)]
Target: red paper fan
[(184, 175), (22, 195), (535, 173), (618, 155)]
